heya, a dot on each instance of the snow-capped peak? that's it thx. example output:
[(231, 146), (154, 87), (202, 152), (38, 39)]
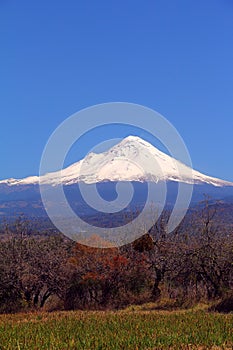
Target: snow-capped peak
[(132, 159)]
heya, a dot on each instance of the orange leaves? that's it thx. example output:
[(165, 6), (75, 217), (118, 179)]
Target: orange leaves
[(117, 262), (90, 276), (105, 276)]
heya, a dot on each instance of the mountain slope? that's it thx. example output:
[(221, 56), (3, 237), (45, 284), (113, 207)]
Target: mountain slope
[(133, 159)]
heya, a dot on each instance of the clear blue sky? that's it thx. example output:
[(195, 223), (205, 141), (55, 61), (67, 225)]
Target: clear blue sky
[(57, 57)]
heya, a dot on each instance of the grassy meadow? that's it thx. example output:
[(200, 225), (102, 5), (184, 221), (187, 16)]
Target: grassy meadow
[(142, 327)]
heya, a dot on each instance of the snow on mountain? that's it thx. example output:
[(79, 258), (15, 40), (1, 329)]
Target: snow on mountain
[(133, 159)]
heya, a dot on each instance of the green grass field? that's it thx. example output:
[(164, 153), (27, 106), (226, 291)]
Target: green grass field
[(134, 328)]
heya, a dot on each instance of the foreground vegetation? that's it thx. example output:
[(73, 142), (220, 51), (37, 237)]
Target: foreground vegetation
[(45, 279), (192, 264), (134, 328)]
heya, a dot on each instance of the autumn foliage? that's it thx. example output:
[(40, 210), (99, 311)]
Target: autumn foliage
[(191, 264), (106, 277)]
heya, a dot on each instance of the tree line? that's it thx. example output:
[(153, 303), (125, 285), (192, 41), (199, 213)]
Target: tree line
[(193, 263)]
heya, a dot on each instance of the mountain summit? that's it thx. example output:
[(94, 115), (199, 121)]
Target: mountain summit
[(132, 159)]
